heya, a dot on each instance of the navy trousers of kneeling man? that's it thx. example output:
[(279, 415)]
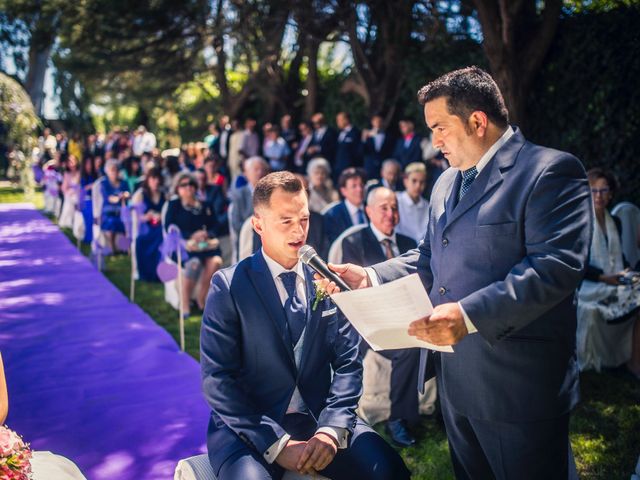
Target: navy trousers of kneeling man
[(368, 457)]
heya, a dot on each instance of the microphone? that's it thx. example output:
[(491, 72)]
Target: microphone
[(309, 256)]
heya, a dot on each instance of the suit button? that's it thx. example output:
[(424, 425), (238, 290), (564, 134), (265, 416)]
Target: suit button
[(445, 242), (442, 290)]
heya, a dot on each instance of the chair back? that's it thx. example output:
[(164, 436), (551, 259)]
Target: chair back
[(335, 252)]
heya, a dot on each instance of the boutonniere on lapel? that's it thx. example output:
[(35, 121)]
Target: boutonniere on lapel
[(320, 295)]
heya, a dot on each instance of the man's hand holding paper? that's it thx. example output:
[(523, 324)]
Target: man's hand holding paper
[(383, 314)]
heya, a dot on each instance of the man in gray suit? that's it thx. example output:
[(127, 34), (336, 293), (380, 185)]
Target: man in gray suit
[(505, 248), (242, 199)]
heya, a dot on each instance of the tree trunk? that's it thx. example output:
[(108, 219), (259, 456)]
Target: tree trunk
[(34, 84), (42, 38), (516, 41)]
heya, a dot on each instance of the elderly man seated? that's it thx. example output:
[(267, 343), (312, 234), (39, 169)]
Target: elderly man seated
[(369, 245)]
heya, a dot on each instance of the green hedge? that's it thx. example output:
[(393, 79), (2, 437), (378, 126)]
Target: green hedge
[(586, 99)]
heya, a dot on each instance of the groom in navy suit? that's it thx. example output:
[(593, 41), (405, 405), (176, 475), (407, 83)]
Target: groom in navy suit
[(506, 247), (282, 372)]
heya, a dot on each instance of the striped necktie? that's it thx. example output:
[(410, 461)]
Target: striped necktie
[(468, 176)]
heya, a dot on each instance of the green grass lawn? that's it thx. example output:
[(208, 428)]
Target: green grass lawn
[(605, 428)]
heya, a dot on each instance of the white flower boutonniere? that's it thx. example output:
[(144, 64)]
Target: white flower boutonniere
[(320, 295)]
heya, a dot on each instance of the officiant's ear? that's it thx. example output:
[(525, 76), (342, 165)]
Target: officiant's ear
[(478, 123)]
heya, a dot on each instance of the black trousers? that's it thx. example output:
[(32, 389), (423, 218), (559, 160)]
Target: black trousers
[(404, 372), (482, 449), (368, 457)]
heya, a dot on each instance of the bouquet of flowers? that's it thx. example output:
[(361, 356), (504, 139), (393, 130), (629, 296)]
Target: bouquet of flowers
[(15, 456)]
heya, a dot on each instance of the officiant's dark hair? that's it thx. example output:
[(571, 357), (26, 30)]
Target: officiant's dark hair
[(468, 90), (265, 187)]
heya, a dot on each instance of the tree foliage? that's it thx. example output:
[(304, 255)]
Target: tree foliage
[(586, 99)]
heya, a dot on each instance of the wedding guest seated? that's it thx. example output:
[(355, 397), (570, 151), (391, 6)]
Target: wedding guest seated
[(115, 194), (350, 211), (149, 239), (213, 193), (281, 376), (87, 177), (132, 172), (70, 191), (214, 177), (608, 305), (373, 244), (321, 191), (199, 227), (413, 208), (275, 148), (390, 176)]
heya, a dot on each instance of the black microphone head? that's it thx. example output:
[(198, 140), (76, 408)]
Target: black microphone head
[(306, 253)]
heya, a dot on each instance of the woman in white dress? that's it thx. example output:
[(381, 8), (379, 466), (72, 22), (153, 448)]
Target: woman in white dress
[(71, 192), (608, 322)]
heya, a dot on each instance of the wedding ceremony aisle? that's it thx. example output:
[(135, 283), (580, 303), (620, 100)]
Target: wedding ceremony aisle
[(90, 375)]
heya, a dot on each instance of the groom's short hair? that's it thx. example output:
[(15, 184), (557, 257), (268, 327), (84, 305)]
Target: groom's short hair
[(265, 187)]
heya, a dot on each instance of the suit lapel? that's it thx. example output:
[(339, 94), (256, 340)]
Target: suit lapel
[(260, 276), (488, 179), (372, 249), (452, 200)]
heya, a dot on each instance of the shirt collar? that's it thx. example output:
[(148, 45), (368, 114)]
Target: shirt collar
[(276, 269), (351, 208), (488, 155), (381, 236)]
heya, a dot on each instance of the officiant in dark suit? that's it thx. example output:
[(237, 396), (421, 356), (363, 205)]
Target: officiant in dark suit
[(505, 248), (282, 372)]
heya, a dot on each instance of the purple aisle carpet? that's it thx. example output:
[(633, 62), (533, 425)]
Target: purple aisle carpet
[(90, 375)]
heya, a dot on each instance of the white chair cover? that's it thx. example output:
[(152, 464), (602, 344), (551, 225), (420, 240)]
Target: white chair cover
[(629, 215), (199, 468)]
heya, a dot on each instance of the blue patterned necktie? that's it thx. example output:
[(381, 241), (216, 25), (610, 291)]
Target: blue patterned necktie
[(361, 218), (293, 308), (468, 176)]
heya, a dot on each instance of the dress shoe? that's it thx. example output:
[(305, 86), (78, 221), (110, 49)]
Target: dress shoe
[(399, 434)]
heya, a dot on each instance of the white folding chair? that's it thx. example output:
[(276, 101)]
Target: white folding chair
[(629, 216), (199, 468)]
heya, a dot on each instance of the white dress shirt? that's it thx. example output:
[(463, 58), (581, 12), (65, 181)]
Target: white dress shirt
[(340, 435), (344, 133), (414, 217), (353, 212), (381, 236)]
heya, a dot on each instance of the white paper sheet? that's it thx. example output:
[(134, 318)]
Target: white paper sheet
[(382, 314)]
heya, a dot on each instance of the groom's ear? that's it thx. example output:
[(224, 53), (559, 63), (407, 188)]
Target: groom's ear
[(257, 224)]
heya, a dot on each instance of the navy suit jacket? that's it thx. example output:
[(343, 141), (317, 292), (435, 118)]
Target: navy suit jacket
[(327, 145), (248, 368), (336, 221), (363, 248), (373, 158), (348, 152), (512, 252), (409, 154)]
